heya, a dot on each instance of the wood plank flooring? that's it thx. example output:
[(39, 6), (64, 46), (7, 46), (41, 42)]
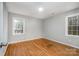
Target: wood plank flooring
[(40, 47)]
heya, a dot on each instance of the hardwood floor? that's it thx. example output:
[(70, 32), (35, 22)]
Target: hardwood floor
[(40, 47)]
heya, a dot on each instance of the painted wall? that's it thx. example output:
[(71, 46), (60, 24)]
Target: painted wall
[(3, 26), (1, 21), (32, 28), (5, 23), (55, 29)]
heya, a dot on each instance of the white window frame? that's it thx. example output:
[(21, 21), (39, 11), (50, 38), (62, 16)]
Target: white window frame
[(66, 25), (18, 18)]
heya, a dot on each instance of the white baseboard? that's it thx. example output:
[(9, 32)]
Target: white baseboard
[(65, 43), (5, 49), (45, 38), (18, 42), (24, 40)]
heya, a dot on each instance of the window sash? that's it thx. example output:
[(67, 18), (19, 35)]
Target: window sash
[(72, 25)]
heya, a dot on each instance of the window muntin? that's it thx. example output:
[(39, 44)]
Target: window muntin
[(72, 25)]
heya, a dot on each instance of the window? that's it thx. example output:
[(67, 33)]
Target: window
[(18, 26), (72, 25)]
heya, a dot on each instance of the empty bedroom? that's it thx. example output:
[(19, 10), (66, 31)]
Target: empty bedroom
[(39, 28)]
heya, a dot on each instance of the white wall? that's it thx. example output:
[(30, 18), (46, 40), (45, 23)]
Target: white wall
[(52, 28), (3, 26), (33, 28), (1, 21), (5, 23), (55, 29)]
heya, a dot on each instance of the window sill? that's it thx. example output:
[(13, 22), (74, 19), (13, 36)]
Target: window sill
[(72, 35)]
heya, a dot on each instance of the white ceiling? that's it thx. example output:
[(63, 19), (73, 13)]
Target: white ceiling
[(50, 8)]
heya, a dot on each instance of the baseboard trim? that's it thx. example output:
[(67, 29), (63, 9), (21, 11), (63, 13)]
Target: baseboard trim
[(25, 40), (5, 49), (44, 38), (65, 43)]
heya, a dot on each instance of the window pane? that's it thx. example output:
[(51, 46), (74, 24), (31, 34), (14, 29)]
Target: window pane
[(78, 28), (78, 32), (69, 21), (78, 20), (73, 25), (74, 32), (75, 21), (69, 28), (74, 28)]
